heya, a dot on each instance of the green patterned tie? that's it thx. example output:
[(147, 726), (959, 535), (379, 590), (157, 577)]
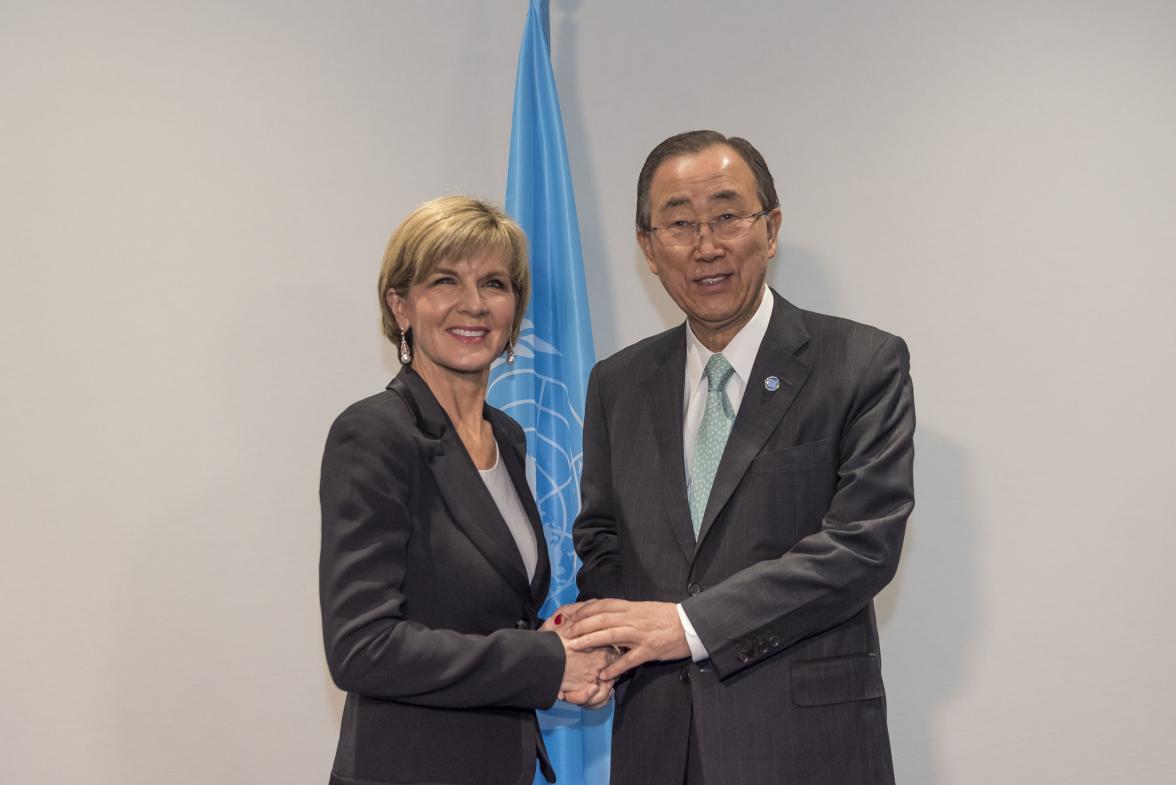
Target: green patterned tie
[(712, 436)]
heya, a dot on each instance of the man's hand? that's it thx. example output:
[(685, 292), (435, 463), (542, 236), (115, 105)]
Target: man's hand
[(648, 630)]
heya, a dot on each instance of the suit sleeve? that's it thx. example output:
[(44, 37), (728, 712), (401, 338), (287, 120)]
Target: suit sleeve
[(595, 530), (829, 576), (367, 476)]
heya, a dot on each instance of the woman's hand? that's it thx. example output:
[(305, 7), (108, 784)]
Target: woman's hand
[(582, 684), (561, 618)]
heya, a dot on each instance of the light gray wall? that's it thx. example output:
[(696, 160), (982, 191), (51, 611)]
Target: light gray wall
[(194, 200)]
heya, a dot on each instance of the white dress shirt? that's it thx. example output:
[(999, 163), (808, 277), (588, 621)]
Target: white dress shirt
[(740, 352)]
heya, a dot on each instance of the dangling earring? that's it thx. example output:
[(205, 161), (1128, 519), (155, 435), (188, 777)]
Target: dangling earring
[(510, 352), (405, 352)]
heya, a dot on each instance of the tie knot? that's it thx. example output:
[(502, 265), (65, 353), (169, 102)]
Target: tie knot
[(718, 371)]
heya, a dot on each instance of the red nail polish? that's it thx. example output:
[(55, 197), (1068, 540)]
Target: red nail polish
[(558, 619)]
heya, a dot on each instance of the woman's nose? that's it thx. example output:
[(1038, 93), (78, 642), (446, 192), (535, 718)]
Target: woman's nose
[(471, 299)]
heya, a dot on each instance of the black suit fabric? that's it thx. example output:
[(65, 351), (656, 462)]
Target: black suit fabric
[(803, 527), (428, 616)]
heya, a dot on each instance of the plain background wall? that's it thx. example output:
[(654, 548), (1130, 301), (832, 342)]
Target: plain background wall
[(194, 199)]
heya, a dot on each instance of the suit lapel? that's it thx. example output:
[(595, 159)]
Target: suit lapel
[(662, 392), (761, 409), (463, 492)]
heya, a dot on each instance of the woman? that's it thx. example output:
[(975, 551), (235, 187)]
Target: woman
[(433, 563)]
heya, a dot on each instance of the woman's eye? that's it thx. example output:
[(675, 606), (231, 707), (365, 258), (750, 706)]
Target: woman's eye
[(443, 279), (497, 283)]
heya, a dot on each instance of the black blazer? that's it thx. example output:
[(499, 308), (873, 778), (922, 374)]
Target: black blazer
[(803, 527), (428, 616)]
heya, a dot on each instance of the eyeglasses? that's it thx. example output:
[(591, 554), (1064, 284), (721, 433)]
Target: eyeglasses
[(725, 227)]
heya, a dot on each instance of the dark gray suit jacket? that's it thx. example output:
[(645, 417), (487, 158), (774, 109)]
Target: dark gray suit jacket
[(428, 615), (803, 527)]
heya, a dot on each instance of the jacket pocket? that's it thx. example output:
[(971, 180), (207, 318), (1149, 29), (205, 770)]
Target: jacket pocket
[(855, 677), (792, 457)]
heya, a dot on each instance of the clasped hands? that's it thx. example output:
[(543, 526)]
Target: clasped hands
[(604, 638)]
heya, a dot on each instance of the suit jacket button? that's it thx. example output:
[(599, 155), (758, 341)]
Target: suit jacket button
[(684, 676), (522, 624), (693, 589)]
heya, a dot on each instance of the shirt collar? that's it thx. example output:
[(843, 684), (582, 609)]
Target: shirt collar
[(742, 349)]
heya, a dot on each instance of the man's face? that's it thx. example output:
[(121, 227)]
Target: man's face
[(716, 282)]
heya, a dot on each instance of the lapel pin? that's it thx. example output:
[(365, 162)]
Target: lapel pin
[(772, 383)]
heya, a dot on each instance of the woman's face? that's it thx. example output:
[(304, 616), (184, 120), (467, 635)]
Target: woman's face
[(460, 315)]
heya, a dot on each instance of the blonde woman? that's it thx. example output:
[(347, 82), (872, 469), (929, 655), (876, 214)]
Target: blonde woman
[(434, 565)]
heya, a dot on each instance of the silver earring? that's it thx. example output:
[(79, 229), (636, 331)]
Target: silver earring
[(510, 352), (405, 352)]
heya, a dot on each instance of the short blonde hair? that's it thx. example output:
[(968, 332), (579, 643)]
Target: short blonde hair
[(452, 227)]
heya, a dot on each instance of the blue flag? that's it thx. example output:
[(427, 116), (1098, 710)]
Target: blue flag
[(544, 389)]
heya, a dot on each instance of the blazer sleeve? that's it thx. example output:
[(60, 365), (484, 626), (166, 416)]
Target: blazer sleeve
[(830, 575), (595, 530), (368, 473)]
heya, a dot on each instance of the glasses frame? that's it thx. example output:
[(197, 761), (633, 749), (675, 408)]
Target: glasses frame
[(745, 221)]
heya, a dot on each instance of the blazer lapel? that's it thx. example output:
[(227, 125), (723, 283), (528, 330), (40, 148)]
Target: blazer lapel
[(761, 409), (514, 455), (662, 392), (463, 491)]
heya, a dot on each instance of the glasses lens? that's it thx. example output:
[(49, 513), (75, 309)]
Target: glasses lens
[(728, 226), (682, 233), (723, 227)]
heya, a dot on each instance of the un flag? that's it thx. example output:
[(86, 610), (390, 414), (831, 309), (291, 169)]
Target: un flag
[(545, 387)]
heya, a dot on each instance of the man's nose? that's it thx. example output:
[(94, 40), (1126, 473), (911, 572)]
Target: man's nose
[(706, 245)]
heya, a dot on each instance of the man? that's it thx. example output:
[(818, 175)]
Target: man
[(746, 485)]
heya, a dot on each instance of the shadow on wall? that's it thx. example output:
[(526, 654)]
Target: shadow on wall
[(927, 616), (802, 277), (220, 661), (212, 648), (175, 609)]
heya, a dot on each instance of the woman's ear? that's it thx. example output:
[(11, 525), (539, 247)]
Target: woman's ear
[(399, 307)]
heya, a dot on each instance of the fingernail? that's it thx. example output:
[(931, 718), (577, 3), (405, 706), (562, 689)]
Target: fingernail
[(558, 619)]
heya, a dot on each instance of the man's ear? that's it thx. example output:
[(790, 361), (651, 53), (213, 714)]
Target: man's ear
[(775, 219)]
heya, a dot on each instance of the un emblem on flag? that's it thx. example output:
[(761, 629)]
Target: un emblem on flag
[(532, 393)]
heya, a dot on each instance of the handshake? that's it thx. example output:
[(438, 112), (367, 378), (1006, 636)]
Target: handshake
[(604, 638)]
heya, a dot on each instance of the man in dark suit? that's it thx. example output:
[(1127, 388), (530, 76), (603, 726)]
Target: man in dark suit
[(746, 485)]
